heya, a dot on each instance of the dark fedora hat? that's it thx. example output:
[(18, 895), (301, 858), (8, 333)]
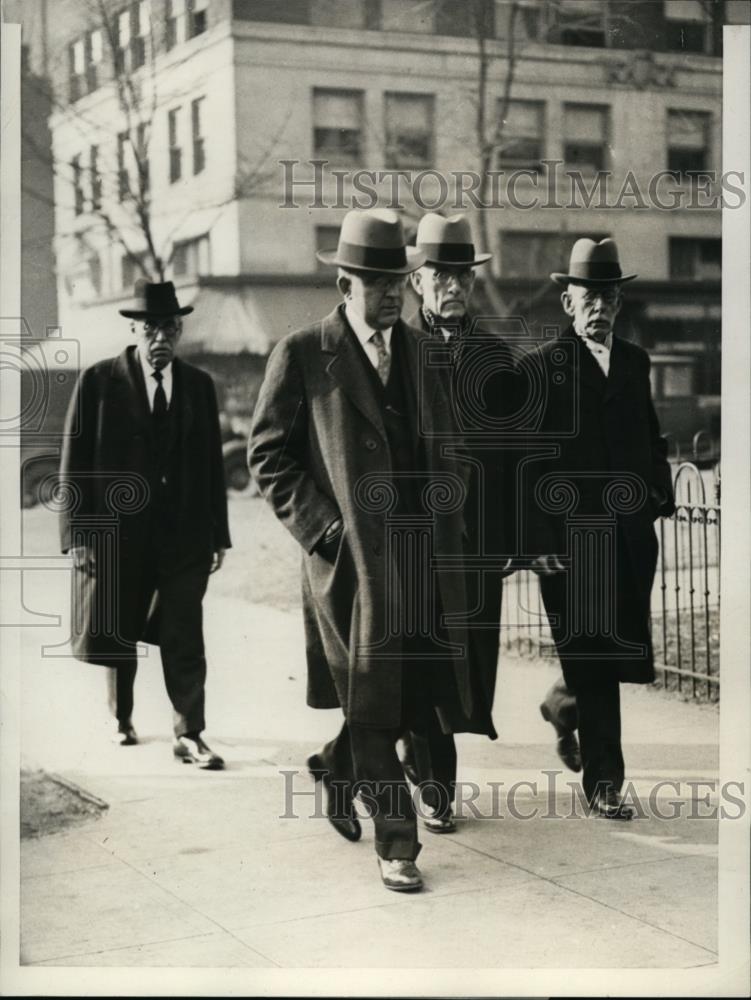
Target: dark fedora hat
[(155, 300), (373, 240), (593, 264), (448, 241)]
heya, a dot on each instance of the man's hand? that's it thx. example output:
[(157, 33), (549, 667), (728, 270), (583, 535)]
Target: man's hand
[(217, 559), (83, 558), (547, 565)]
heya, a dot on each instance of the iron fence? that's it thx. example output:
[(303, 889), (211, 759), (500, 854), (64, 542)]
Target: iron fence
[(685, 597)]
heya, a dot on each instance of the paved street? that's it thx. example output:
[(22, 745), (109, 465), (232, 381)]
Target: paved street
[(189, 868)]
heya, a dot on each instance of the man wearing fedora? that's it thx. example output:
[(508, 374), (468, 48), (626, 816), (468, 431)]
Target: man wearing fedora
[(476, 356), (346, 447), (598, 480), (142, 446)]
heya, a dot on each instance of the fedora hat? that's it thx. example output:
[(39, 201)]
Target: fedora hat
[(373, 240), (155, 300), (448, 241), (593, 264)]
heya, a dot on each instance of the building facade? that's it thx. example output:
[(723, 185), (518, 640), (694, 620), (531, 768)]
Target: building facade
[(223, 140)]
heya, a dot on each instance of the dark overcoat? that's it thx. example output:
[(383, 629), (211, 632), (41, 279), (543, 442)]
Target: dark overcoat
[(596, 476), (483, 390), (318, 451), (109, 477)]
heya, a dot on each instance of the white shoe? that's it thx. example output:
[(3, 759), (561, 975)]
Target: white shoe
[(400, 874)]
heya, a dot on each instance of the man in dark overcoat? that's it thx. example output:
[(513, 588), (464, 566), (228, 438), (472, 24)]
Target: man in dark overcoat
[(480, 370), (346, 447), (145, 516), (596, 478)]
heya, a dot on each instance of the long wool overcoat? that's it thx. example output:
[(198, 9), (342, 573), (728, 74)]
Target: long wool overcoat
[(319, 450), (109, 475), (596, 477)]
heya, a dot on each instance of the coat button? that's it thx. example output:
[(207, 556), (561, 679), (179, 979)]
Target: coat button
[(370, 444), (164, 480)]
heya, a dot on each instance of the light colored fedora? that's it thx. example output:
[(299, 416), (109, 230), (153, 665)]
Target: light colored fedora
[(593, 264), (448, 241), (373, 240)]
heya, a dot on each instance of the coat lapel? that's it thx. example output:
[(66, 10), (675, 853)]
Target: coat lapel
[(588, 370), (129, 384), (620, 369), (346, 367), (182, 386)]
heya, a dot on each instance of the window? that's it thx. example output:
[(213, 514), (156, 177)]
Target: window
[(687, 26), (95, 273), (123, 181), (78, 196), (132, 26), (173, 12), (199, 144), (197, 14), (688, 142), (131, 268), (327, 238), (532, 254), (337, 125), (76, 67), (339, 13), (582, 22), (191, 257), (96, 178), (184, 19), (694, 259), (409, 130), (456, 17), (175, 152), (522, 142), (142, 158), (585, 137), (407, 15), (286, 12)]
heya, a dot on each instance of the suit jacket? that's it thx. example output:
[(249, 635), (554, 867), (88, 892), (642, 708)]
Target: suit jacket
[(319, 450), (110, 475), (596, 459)]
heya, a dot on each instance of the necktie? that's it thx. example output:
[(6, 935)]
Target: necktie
[(160, 397), (384, 361)]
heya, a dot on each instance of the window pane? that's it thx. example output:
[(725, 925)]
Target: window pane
[(409, 129), (688, 129), (144, 20), (338, 13), (407, 15), (585, 123), (686, 10), (78, 57), (677, 380), (339, 109), (123, 28), (96, 46), (282, 11), (532, 254)]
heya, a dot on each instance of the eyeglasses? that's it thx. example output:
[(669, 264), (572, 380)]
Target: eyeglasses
[(609, 296), (171, 327), (442, 276)]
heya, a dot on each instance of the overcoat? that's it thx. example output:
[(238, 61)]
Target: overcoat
[(319, 450), (483, 390), (108, 479), (596, 476)]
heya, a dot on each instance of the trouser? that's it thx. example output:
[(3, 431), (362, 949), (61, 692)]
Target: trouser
[(432, 756), (561, 704), (176, 626), (599, 710)]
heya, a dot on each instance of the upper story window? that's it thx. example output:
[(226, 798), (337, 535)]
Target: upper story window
[(279, 11), (409, 130), (199, 142), (133, 27), (185, 19), (344, 14), (191, 257), (530, 254), (523, 142), (585, 132), (84, 64), (688, 25), (688, 142), (79, 199), (133, 172), (175, 150), (408, 15), (694, 259), (337, 125), (582, 22), (95, 178)]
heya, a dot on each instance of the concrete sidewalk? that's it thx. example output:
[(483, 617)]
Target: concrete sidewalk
[(190, 868)]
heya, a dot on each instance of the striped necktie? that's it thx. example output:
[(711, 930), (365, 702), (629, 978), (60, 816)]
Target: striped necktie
[(384, 361)]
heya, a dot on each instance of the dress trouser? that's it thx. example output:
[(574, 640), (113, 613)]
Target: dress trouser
[(599, 712), (176, 626)]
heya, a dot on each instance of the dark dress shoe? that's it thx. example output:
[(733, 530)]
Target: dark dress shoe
[(125, 735), (339, 806), (610, 805), (400, 874), (192, 750), (568, 745)]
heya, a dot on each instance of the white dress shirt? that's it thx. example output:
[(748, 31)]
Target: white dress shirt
[(600, 352), (151, 382), (363, 333)]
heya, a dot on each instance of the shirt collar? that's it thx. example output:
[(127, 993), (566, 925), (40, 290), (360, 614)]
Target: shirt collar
[(361, 329), (594, 345)]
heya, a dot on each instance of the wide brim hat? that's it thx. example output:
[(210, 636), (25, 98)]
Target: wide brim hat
[(155, 300), (448, 242), (593, 264), (373, 240)]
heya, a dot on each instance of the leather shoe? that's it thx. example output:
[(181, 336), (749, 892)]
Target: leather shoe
[(437, 823), (339, 805), (192, 750), (124, 735), (568, 745), (410, 772), (610, 805), (400, 874)]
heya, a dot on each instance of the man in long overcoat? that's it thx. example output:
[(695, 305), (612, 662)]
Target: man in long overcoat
[(597, 477), (480, 373), (346, 447), (145, 516)]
